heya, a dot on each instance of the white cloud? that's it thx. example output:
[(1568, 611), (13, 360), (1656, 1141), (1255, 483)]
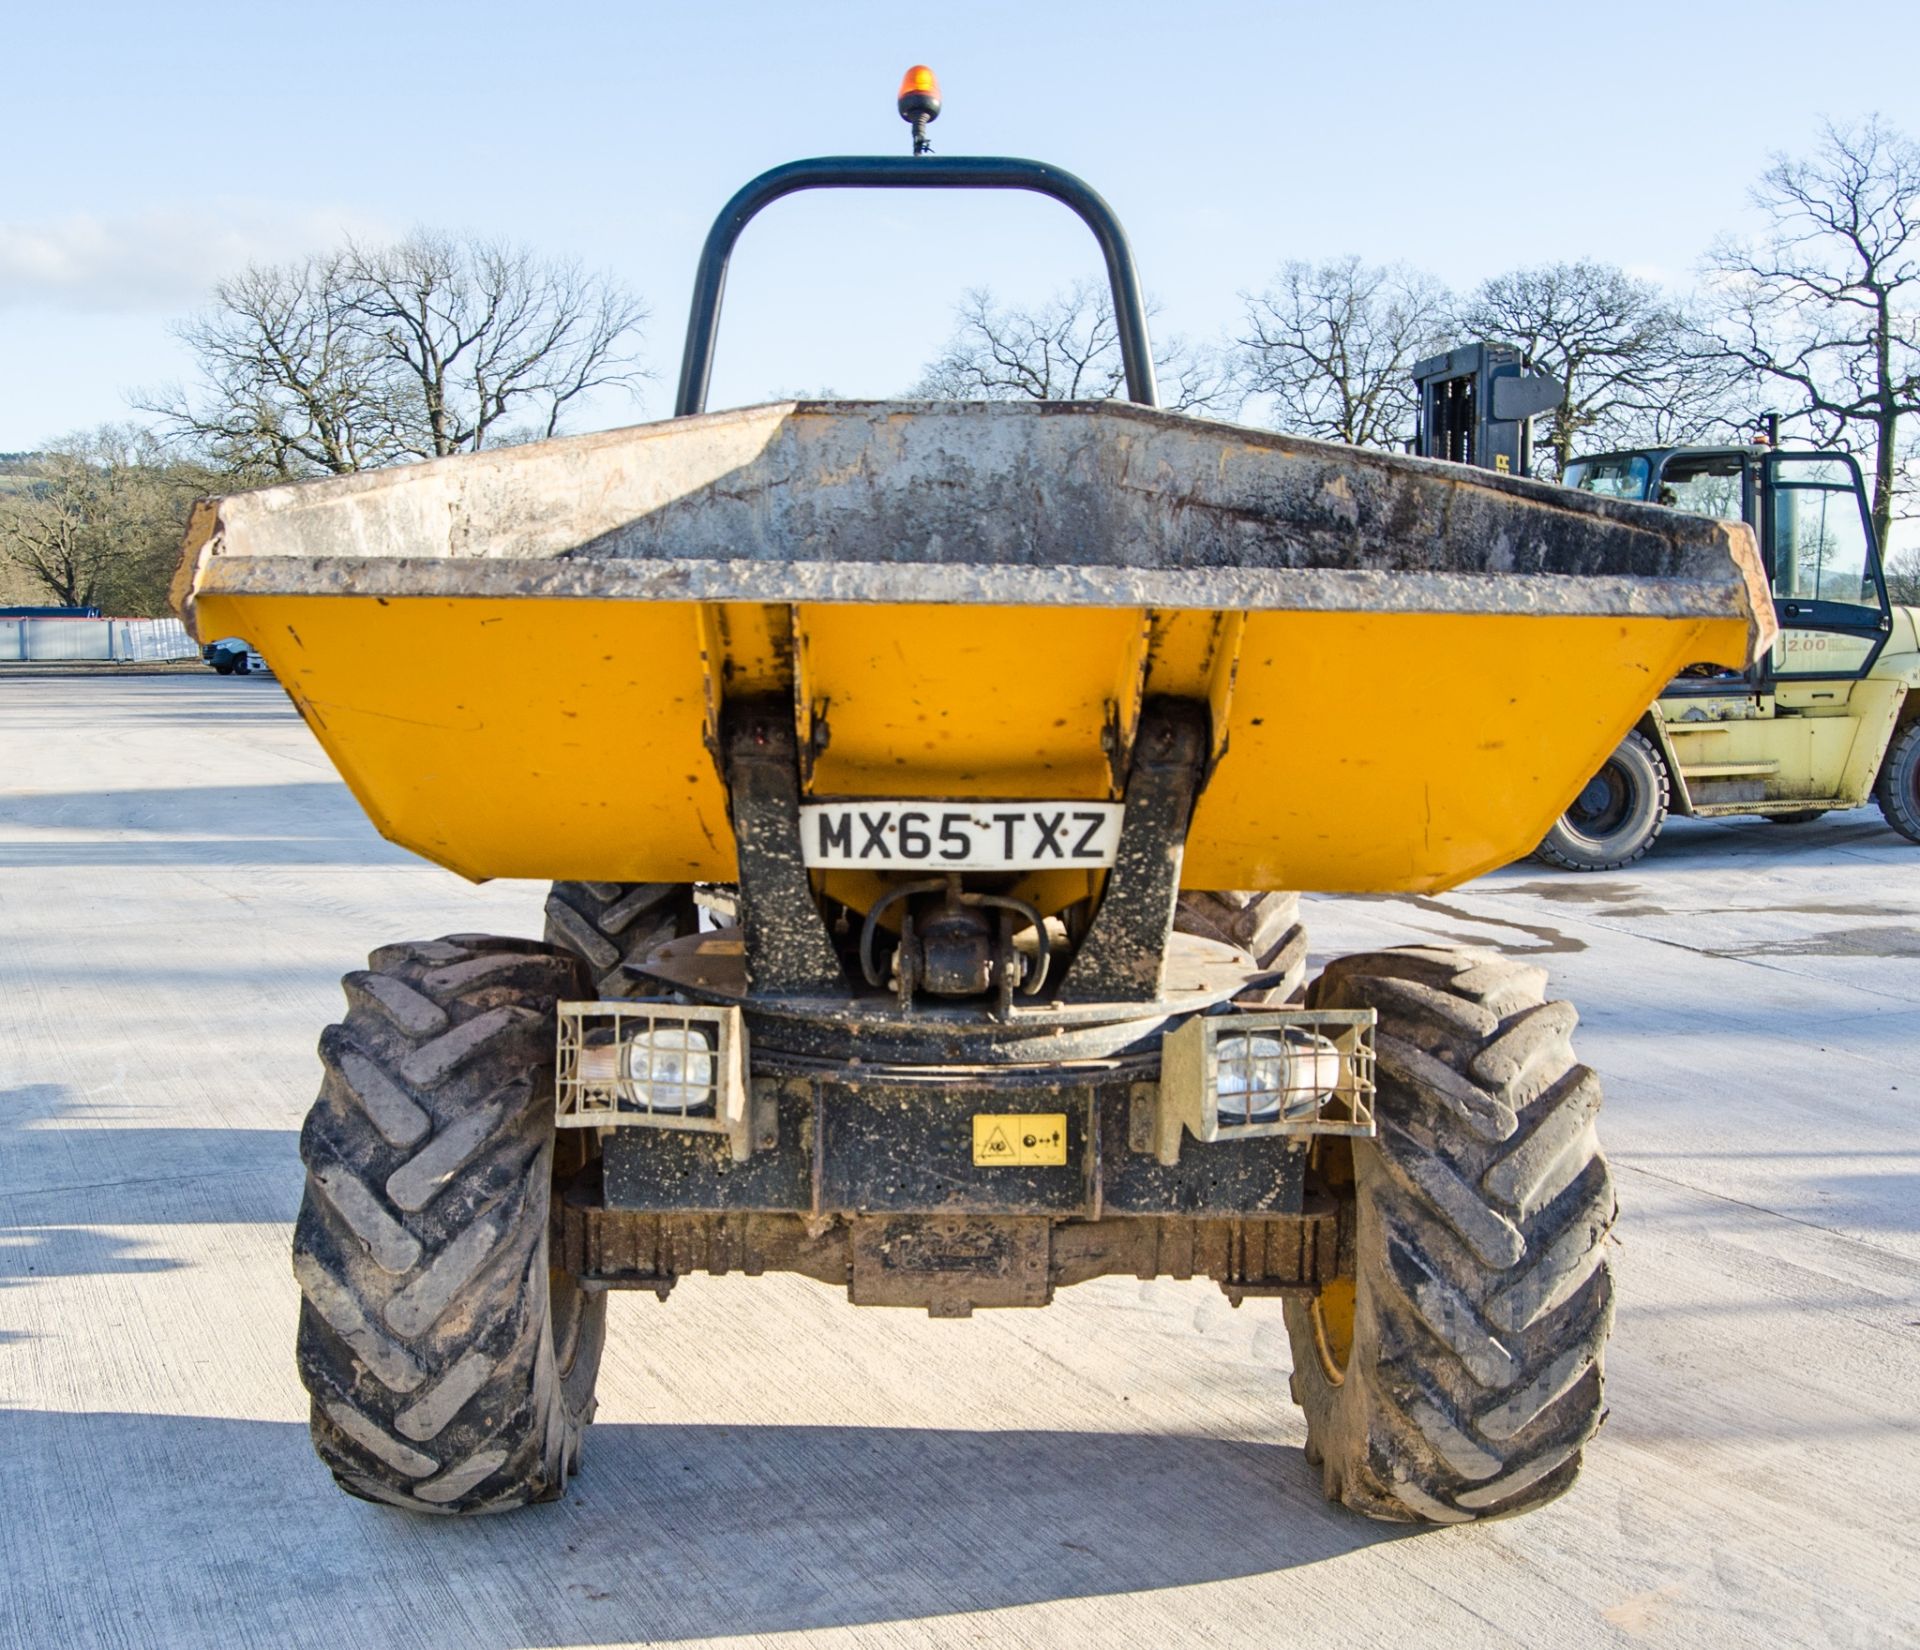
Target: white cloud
[(161, 260)]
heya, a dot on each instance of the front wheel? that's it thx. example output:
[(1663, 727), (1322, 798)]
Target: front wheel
[(451, 1367), (1266, 926), (1617, 816), (1455, 1372), (1897, 790), (608, 925)]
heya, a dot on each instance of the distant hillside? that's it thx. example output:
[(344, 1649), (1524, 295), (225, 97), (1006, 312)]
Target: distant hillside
[(16, 470)]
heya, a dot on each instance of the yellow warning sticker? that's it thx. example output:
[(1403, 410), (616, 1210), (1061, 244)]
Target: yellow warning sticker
[(1020, 1138)]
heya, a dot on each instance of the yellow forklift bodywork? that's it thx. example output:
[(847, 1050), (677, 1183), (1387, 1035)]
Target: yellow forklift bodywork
[(1812, 743)]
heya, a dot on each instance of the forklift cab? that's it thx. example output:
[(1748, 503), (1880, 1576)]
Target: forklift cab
[(1809, 512), (1807, 728)]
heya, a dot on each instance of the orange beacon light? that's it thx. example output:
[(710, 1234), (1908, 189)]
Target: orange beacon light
[(919, 103)]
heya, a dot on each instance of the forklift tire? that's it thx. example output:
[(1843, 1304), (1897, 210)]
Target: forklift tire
[(1619, 815), (1456, 1375), (1266, 926), (610, 924), (451, 1368), (1897, 790)]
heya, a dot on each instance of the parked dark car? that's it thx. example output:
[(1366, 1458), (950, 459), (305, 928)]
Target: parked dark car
[(231, 656)]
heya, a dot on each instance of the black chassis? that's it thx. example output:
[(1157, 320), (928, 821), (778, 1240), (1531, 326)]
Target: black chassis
[(862, 1170)]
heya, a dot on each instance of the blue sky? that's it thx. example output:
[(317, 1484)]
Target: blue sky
[(152, 148)]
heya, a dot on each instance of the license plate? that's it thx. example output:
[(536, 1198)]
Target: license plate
[(959, 836)]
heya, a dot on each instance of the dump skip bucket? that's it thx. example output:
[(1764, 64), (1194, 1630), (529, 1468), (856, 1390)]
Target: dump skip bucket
[(518, 659)]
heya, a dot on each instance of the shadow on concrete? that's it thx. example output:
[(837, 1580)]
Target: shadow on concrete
[(1749, 835), (279, 710), (29, 1252), (1741, 842), (67, 1164), (297, 823), (185, 697), (162, 808), (1857, 1207), (199, 1530), (671, 1532), (232, 852)]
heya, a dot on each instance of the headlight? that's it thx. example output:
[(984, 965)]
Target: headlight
[(671, 1068), (1241, 1075), (1262, 1078), (644, 1064)]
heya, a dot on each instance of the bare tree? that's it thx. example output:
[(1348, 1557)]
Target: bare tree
[(43, 532), (1332, 345), (1067, 349), (474, 335), (290, 383), (1903, 576), (98, 518), (371, 356), (1627, 355), (1823, 304)]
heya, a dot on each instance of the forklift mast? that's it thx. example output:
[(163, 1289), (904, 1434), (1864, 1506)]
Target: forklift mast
[(1477, 406)]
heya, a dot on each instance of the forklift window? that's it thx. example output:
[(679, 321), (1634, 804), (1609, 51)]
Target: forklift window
[(1708, 485), (1820, 546), (1623, 477), (1813, 470)]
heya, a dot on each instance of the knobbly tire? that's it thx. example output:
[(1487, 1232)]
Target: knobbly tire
[(1457, 1374), (1266, 926), (610, 924), (1897, 790), (451, 1370), (1619, 814)]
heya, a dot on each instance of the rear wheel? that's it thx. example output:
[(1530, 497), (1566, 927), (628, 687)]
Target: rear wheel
[(1455, 1374), (1897, 790), (451, 1368), (610, 924), (1266, 926), (1617, 816)]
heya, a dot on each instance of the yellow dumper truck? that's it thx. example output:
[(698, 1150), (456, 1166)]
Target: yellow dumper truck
[(916, 782)]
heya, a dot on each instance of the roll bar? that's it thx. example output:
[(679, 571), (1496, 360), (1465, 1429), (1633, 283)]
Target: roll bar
[(912, 172)]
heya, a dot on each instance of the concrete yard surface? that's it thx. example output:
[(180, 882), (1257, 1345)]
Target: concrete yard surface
[(183, 879)]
